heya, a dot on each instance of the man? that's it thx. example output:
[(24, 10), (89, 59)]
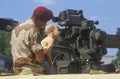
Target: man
[(25, 43)]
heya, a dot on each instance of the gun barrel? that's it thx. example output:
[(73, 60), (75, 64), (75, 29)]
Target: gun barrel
[(112, 41)]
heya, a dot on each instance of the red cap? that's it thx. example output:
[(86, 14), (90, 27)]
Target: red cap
[(43, 13)]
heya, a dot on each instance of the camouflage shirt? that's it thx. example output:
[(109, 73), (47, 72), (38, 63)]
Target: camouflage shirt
[(25, 40)]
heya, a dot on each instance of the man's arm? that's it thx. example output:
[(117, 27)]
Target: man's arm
[(36, 46)]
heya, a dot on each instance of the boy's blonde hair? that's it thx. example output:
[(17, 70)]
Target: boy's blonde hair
[(50, 27)]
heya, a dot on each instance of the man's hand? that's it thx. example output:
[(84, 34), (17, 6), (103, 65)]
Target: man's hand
[(39, 56)]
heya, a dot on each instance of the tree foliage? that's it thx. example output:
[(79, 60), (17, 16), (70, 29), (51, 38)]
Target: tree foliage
[(5, 42), (118, 53)]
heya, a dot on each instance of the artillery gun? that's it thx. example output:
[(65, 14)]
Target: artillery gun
[(86, 43), (7, 24)]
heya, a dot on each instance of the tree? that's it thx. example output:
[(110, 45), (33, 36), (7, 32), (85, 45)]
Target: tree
[(118, 53), (5, 42)]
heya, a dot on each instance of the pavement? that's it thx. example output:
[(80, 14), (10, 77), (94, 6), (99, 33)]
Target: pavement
[(65, 76)]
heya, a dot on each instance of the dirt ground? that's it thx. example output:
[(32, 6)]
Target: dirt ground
[(65, 76)]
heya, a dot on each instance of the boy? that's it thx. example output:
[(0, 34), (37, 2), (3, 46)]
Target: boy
[(53, 33)]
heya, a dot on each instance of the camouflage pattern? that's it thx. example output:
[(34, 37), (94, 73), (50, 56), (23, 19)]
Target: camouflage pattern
[(25, 40)]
